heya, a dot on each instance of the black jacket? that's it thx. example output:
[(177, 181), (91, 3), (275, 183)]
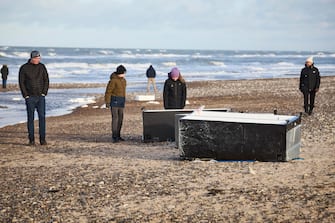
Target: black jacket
[(33, 79), (4, 72), (309, 79), (174, 94), (151, 73)]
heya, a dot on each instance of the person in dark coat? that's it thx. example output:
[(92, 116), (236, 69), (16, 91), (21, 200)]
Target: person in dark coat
[(4, 75), (309, 84), (151, 75), (174, 94), (34, 85), (115, 98)]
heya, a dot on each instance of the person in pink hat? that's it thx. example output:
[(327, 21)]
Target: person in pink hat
[(174, 94)]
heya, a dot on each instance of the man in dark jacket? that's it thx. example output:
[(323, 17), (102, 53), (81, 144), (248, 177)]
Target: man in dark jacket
[(4, 75), (309, 84), (34, 85), (151, 75), (174, 94)]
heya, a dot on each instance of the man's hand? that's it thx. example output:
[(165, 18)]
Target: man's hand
[(27, 97)]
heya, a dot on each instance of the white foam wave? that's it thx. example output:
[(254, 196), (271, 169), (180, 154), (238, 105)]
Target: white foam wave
[(86, 100), (3, 54), (169, 64), (154, 55), (198, 55), (203, 73), (67, 65), (22, 54), (287, 64), (218, 63), (255, 55), (257, 69), (106, 52), (52, 54), (58, 75)]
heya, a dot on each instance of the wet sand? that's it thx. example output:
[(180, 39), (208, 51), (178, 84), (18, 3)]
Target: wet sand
[(81, 176)]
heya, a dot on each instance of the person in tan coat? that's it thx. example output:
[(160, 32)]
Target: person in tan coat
[(115, 98)]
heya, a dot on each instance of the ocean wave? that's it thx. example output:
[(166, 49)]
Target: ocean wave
[(81, 67), (255, 55), (256, 69), (106, 52), (83, 100), (22, 54), (52, 54), (3, 54), (287, 64), (218, 63), (154, 55), (67, 65), (198, 55), (169, 64)]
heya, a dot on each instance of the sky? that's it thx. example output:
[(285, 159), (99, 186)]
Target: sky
[(170, 24)]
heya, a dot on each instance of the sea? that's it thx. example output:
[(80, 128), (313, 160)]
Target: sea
[(94, 65)]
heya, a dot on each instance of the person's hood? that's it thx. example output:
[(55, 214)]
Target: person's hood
[(114, 75)]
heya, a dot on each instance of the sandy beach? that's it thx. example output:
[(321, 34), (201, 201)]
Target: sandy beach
[(81, 176)]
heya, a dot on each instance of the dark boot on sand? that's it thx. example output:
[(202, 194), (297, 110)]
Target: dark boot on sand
[(43, 142)]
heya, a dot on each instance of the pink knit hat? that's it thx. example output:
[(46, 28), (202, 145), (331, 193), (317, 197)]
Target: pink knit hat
[(174, 73)]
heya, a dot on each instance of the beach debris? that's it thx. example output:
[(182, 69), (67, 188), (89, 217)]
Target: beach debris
[(198, 111), (214, 191), (53, 189), (251, 171), (149, 97), (153, 102)]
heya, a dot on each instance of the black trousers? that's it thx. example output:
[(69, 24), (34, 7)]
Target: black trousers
[(117, 119), (309, 99)]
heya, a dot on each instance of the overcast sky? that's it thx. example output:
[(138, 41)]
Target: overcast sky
[(170, 24)]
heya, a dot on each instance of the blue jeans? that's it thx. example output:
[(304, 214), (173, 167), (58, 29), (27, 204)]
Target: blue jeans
[(4, 83), (38, 103)]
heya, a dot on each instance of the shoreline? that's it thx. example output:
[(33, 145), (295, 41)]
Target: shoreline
[(191, 85), (15, 87), (82, 175)]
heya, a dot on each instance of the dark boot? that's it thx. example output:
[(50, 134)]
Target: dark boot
[(306, 108), (119, 137), (43, 142), (31, 141), (310, 110), (115, 139)]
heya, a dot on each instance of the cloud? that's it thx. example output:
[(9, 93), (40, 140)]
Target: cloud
[(175, 23)]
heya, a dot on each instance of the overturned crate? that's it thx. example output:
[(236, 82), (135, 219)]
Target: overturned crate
[(160, 125), (240, 136)]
